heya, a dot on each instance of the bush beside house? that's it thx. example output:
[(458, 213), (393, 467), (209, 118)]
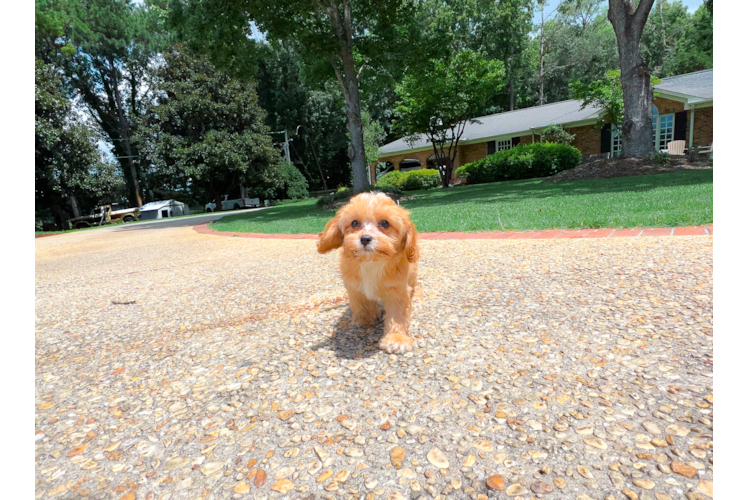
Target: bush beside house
[(526, 161), (414, 180)]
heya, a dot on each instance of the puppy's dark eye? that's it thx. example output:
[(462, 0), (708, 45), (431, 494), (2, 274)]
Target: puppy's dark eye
[(354, 223), (384, 224)]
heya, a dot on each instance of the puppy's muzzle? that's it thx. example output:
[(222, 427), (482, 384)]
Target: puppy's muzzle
[(365, 240)]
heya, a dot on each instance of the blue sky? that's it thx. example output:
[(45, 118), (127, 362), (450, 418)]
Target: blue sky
[(692, 5)]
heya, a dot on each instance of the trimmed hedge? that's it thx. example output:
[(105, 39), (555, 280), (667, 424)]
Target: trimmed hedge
[(526, 161), (392, 179), (344, 193), (415, 180)]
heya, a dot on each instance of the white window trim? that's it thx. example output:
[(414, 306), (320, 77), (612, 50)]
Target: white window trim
[(502, 145), (658, 134)]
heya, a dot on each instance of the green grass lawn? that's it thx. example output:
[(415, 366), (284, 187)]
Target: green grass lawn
[(665, 200)]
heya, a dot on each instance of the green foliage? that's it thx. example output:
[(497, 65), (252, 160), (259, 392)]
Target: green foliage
[(606, 94), (695, 49), (374, 136), (294, 185), (579, 44), (498, 29), (344, 194), (105, 50), (526, 161), (440, 99), (557, 134), (206, 131), (675, 42), (68, 166), (661, 158), (413, 180), (417, 180), (392, 179)]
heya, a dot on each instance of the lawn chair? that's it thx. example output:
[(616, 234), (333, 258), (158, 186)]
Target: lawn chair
[(706, 150), (676, 147)]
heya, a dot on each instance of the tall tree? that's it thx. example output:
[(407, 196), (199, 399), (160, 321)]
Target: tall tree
[(206, 131), (691, 44), (628, 20), (350, 35), (497, 28), (105, 49), (69, 170), (439, 103), (583, 49)]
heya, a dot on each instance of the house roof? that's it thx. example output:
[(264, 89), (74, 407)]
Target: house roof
[(698, 84), (521, 121), (155, 205), (510, 122)]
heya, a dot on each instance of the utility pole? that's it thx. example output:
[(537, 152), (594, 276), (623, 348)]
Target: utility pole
[(322, 176), (286, 149)]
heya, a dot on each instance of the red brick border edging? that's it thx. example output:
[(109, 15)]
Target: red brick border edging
[(503, 235)]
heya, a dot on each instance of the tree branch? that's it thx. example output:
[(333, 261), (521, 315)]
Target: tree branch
[(641, 13)]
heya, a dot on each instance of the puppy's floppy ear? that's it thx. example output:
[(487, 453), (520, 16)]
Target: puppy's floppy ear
[(331, 238), (410, 241)]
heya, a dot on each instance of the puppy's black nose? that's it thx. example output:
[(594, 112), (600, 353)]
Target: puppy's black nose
[(365, 239)]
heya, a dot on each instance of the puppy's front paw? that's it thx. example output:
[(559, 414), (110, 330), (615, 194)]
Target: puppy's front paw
[(396, 343)]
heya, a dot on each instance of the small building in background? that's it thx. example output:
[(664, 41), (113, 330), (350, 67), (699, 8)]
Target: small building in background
[(163, 209)]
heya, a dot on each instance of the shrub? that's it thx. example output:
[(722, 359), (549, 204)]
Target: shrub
[(410, 181), (344, 194), (393, 192), (662, 158), (295, 186), (392, 179), (557, 134), (417, 180), (525, 161)]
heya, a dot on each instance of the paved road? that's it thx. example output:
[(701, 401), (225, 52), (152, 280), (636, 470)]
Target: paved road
[(177, 365), (180, 221)]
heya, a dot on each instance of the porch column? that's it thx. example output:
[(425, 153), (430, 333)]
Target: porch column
[(424, 159), (690, 132)]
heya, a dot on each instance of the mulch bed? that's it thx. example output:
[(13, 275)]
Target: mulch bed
[(626, 167)]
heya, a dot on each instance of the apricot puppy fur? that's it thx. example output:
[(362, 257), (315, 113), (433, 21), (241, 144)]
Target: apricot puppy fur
[(378, 261)]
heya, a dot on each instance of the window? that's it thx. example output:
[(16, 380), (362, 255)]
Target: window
[(502, 145), (662, 131), (615, 142)]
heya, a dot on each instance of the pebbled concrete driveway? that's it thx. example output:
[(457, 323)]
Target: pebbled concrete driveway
[(178, 365)]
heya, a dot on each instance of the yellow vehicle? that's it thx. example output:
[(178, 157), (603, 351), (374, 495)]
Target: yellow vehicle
[(106, 214)]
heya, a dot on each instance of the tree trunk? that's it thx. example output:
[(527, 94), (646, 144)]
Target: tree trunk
[(511, 80), (628, 23), (126, 139), (218, 199), (61, 218), (74, 205), (540, 73), (343, 30), (356, 151)]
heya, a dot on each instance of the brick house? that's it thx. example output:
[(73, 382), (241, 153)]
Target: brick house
[(682, 110)]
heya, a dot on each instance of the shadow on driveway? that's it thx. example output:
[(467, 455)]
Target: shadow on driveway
[(349, 341)]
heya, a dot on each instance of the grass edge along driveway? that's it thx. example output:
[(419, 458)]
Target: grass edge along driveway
[(664, 200)]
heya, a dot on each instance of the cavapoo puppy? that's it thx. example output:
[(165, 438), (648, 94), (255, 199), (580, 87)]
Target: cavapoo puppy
[(378, 261)]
